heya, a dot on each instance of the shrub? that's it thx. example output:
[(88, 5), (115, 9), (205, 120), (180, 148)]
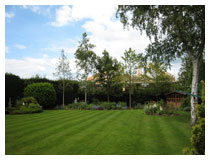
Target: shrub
[(120, 105), (26, 105), (77, 105), (139, 106), (198, 131), (106, 105), (26, 101), (94, 107), (159, 108), (185, 104), (150, 108), (44, 93)]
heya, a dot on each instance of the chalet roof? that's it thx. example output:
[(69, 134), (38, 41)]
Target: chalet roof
[(183, 93)]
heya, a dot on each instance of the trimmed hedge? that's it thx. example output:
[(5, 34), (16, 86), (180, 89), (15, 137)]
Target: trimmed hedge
[(26, 105), (44, 93)]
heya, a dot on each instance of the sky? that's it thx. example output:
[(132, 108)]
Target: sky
[(35, 36)]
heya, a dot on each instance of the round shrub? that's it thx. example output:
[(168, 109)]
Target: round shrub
[(26, 101), (44, 93), (26, 105)]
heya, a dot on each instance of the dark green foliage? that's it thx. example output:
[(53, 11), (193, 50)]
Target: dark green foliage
[(13, 88), (26, 105), (198, 131), (78, 105), (26, 101), (108, 72), (186, 71), (139, 106), (185, 104), (71, 91), (108, 106), (44, 93), (121, 105)]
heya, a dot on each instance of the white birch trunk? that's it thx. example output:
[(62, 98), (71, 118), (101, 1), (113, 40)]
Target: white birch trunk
[(194, 90)]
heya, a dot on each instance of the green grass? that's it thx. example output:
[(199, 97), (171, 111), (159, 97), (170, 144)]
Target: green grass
[(108, 132)]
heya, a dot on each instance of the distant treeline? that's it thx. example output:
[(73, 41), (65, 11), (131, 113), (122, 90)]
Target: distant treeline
[(14, 88)]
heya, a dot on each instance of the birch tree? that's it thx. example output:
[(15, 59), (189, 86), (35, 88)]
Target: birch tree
[(174, 31), (130, 65), (85, 60), (63, 72)]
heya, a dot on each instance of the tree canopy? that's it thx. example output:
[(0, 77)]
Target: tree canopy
[(174, 31), (85, 60)]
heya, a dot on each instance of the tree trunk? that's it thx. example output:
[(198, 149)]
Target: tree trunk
[(85, 94), (63, 94), (130, 98), (194, 90), (108, 98), (85, 90)]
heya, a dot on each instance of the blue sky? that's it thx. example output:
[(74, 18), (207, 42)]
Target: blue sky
[(35, 35)]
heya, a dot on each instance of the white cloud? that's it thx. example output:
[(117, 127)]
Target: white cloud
[(58, 48), (6, 49), (20, 46), (105, 31), (108, 33), (35, 9), (9, 15), (28, 67), (63, 16)]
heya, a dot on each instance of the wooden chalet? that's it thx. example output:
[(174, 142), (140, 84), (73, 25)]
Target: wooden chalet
[(175, 98)]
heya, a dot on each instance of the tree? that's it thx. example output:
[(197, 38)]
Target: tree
[(131, 64), (63, 72), (108, 72), (173, 31), (85, 60), (185, 73), (198, 131)]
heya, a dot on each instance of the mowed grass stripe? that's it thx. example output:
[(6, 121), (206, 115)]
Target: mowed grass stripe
[(86, 141), (41, 116), (27, 130), (109, 137), (181, 135), (117, 132), (59, 134), (25, 134), (22, 117), (150, 137), (29, 140), (41, 122), (60, 141)]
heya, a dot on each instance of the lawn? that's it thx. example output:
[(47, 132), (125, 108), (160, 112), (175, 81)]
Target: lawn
[(88, 132)]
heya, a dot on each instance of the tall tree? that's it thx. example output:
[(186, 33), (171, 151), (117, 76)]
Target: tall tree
[(174, 31), (63, 72), (85, 60), (108, 72), (131, 64), (186, 70)]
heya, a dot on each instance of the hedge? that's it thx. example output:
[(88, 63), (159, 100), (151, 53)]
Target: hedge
[(44, 93)]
